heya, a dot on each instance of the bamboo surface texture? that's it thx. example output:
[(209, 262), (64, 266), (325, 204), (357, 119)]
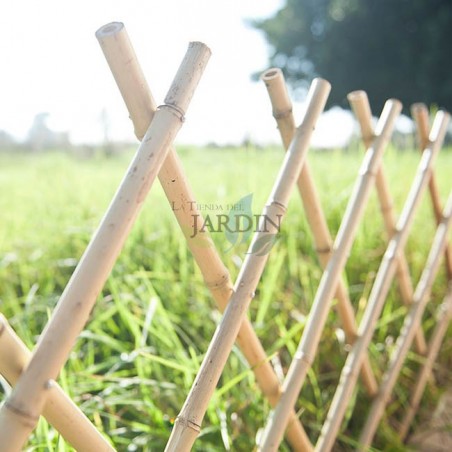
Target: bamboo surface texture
[(282, 112), (307, 347), (419, 113), (360, 105), (122, 60), (381, 287), (188, 423), (444, 316), (20, 413), (59, 410), (411, 324)]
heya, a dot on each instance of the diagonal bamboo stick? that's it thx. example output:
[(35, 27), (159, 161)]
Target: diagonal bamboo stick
[(123, 62), (444, 316), (360, 105), (282, 111), (18, 416), (59, 410), (419, 112), (380, 288), (187, 425), (312, 333), (411, 324)]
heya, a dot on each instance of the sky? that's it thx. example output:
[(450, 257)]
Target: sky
[(52, 62)]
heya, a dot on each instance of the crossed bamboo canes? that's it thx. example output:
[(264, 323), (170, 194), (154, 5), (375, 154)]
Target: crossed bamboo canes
[(381, 287), (188, 423), (419, 112), (123, 62), (59, 409), (444, 315), (411, 324), (360, 105), (20, 413), (282, 112), (305, 354)]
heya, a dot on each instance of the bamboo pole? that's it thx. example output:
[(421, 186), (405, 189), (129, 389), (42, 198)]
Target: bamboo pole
[(444, 316), (282, 112), (317, 317), (411, 324), (380, 288), (19, 414), (420, 115), (59, 410), (188, 423), (360, 105), (122, 60)]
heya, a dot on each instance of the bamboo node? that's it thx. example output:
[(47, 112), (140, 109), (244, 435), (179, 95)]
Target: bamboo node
[(324, 250), (282, 114), (304, 357), (277, 204), (30, 419), (220, 283), (175, 110), (2, 327), (187, 423)]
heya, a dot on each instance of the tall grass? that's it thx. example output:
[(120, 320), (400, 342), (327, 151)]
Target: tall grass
[(134, 363)]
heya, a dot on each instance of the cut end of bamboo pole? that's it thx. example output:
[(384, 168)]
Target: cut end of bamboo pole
[(361, 108), (110, 29), (277, 90), (357, 96)]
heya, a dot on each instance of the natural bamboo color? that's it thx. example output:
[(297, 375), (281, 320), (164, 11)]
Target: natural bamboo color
[(420, 115), (411, 324), (123, 62), (360, 105), (380, 288), (18, 416), (317, 317), (436, 339), (59, 410), (187, 425), (282, 111)]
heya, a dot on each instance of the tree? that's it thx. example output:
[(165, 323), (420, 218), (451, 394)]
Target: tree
[(390, 48)]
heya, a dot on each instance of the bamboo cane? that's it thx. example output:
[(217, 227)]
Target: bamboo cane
[(444, 316), (18, 416), (380, 288), (360, 105), (317, 317), (124, 65), (187, 425), (419, 112), (59, 410), (411, 323), (282, 111)]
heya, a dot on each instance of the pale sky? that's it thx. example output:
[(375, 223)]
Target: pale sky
[(52, 62)]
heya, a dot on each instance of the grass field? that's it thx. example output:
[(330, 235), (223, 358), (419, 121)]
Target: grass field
[(134, 363)]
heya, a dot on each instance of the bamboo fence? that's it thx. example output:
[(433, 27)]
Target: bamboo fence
[(33, 375), (20, 413), (305, 353), (282, 112), (124, 65), (188, 422)]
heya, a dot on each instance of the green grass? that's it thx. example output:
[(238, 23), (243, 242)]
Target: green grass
[(134, 363)]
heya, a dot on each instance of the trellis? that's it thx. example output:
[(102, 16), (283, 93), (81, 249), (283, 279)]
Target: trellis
[(33, 375)]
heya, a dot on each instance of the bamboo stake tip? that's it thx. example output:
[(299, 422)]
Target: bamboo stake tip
[(321, 83), (198, 45), (109, 29), (271, 74), (419, 108), (357, 96)]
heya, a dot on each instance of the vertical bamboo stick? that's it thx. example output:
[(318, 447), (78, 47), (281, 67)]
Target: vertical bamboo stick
[(420, 115), (444, 316), (317, 317), (380, 288), (360, 105), (187, 425), (411, 324), (18, 416), (282, 111), (122, 60), (59, 410)]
